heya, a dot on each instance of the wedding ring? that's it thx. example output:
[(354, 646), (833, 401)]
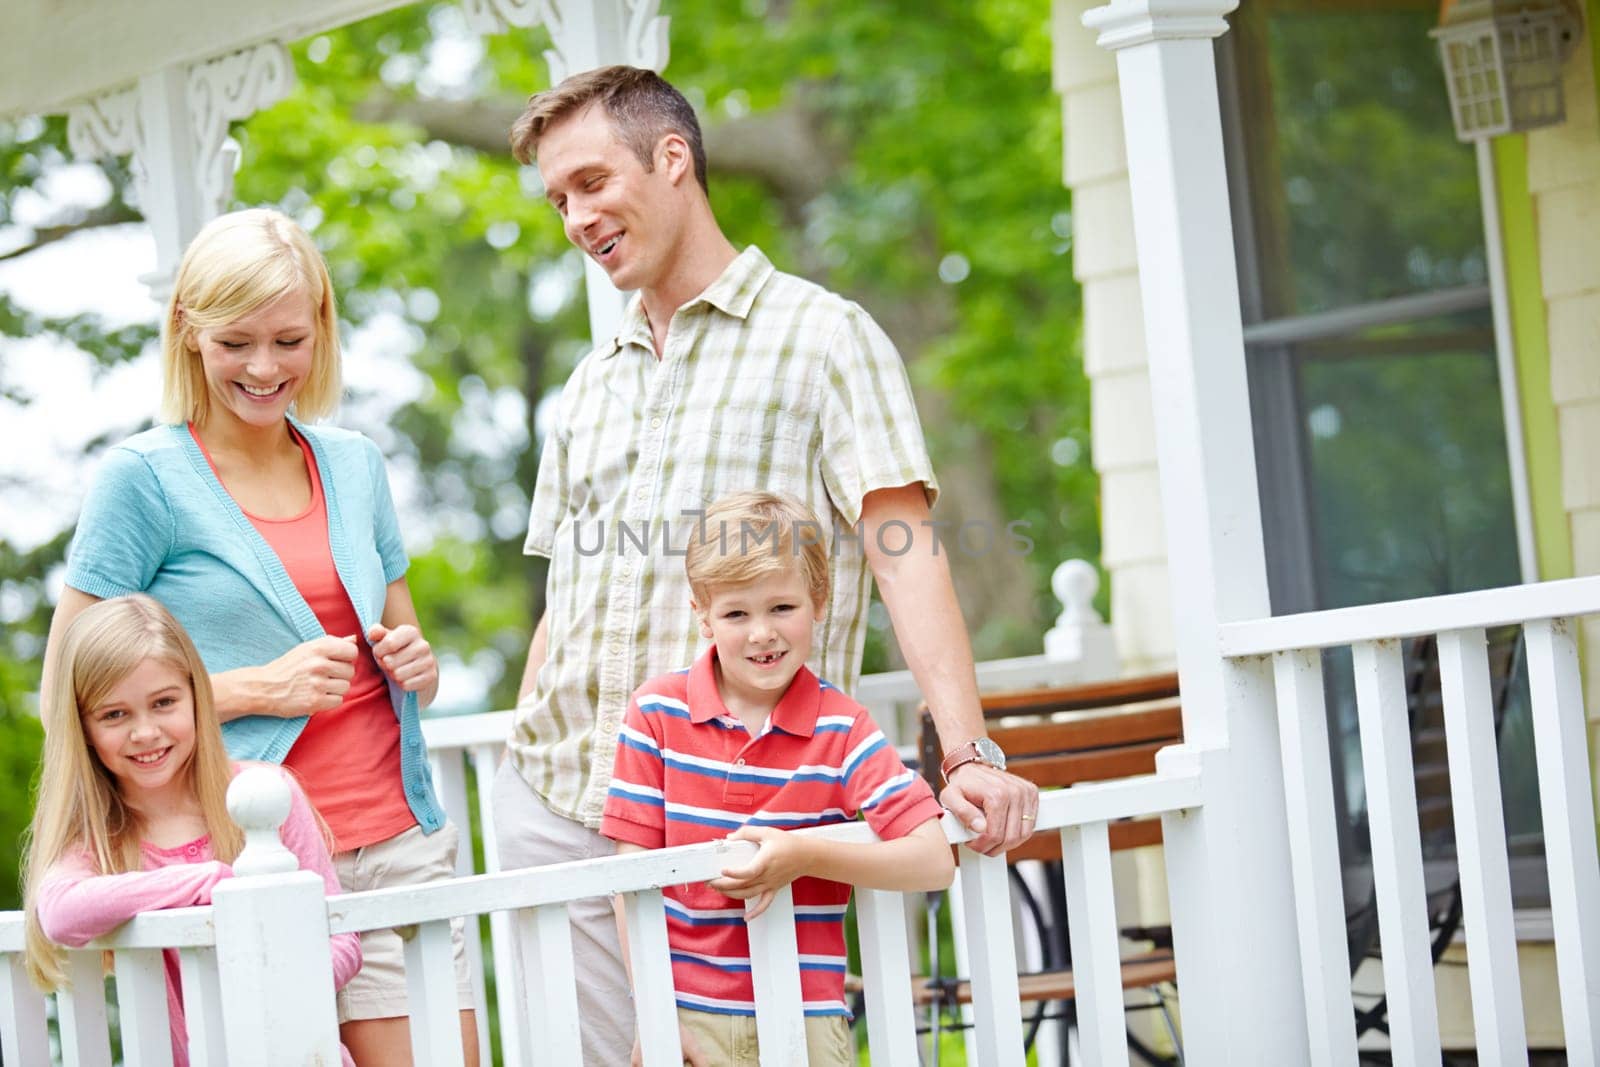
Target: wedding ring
[(1028, 818)]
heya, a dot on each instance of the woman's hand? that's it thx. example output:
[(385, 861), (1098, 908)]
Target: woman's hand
[(406, 657), (312, 676)]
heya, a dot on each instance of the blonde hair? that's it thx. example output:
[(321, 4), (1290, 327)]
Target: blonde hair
[(238, 263), (80, 808), (747, 536)]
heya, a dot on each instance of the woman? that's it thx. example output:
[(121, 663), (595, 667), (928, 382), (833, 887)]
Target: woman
[(276, 546)]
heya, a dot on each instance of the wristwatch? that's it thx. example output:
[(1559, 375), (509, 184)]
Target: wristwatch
[(978, 750)]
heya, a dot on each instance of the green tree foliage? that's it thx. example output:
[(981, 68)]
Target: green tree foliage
[(914, 164)]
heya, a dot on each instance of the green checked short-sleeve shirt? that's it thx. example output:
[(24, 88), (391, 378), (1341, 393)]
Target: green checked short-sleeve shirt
[(766, 382)]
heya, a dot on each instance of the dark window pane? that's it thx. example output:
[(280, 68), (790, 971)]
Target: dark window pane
[(1410, 489), (1363, 190)]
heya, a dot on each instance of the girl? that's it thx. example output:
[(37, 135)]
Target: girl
[(275, 543), (131, 813)]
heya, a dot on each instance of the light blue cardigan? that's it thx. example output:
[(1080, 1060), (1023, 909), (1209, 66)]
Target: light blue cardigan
[(158, 521)]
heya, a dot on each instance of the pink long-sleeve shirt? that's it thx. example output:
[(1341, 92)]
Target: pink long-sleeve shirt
[(76, 904)]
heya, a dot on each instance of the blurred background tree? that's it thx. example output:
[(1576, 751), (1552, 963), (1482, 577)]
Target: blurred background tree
[(909, 158)]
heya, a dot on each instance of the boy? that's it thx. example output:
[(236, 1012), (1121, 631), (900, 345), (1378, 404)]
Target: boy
[(747, 744)]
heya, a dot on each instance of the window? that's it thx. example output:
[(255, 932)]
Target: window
[(1375, 389)]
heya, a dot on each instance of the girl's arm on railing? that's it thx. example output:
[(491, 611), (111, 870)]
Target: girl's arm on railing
[(301, 833), (76, 905), (918, 862)]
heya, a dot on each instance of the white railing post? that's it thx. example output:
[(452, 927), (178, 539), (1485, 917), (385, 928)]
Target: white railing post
[(986, 902), (1567, 808), (775, 976), (24, 1037), (1314, 852), (1238, 881), (1397, 876), (272, 939), (1483, 864)]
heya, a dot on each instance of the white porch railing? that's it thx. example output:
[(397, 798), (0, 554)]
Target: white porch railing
[(1547, 613), (256, 963)]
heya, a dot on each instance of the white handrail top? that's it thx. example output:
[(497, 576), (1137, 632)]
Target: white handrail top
[(171, 928), (559, 883), (465, 731), (1411, 618)]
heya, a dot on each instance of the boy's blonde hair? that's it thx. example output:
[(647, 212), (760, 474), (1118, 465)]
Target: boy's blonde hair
[(747, 536), (79, 807), (237, 264)]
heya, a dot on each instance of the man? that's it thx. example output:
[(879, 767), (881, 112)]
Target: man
[(725, 375)]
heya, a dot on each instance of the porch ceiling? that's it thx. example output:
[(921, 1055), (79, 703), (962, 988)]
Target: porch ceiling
[(57, 52)]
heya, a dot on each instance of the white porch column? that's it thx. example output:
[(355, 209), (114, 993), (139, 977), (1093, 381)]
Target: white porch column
[(1229, 871), (587, 34), (174, 123)]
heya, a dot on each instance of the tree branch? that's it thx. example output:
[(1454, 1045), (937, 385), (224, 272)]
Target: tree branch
[(112, 214)]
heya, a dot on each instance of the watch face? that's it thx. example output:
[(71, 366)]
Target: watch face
[(990, 753)]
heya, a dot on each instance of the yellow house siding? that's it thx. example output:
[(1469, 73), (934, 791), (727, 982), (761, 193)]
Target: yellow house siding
[(1105, 262)]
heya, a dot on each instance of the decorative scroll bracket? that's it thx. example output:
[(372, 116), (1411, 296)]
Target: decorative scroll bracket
[(174, 123), (586, 33)]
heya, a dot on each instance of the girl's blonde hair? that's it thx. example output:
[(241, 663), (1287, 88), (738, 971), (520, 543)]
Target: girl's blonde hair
[(80, 808), (238, 263)]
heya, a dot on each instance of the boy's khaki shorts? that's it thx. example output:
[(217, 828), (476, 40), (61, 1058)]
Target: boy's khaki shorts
[(378, 991), (730, 1040)]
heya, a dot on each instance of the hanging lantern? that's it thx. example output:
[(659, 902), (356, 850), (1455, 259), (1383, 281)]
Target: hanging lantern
[(1502, 63)]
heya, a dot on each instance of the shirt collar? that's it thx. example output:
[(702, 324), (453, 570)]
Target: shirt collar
[(733, 293), (795, 714)]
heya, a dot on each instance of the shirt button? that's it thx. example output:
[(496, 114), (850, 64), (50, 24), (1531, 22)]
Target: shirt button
[(739, 762), (655, 423)]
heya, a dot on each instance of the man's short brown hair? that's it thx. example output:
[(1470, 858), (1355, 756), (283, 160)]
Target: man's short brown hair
[(643, 108)]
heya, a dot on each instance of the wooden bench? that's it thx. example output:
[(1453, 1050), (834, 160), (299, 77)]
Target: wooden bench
[(1057, 737)]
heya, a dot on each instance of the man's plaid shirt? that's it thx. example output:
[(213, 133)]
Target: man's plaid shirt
[(766, 382)]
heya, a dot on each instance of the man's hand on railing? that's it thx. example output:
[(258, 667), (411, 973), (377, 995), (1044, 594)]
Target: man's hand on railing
[(999, 808)]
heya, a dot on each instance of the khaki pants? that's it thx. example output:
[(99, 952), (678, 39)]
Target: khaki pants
[(528, 834), (730, 1040)]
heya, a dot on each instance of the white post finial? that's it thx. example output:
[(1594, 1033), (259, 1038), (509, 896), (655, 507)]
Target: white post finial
[(1079, 633), (258, 800)]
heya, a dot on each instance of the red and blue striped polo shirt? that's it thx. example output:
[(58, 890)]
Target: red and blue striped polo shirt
[(688, 771)]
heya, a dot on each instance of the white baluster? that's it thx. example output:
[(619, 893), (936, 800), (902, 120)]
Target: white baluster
[(514, 1048), (1567, 807), (775, 975), (81, 1012), (886, 969), (142, 1008), (431, 988), (545, 936), (1314, 852), (1096, 953), (986, 900), (1396, 853), (450, 784), (273, 958), (24, 1037), (1485, 869), (651, 961), (202, 1007)]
